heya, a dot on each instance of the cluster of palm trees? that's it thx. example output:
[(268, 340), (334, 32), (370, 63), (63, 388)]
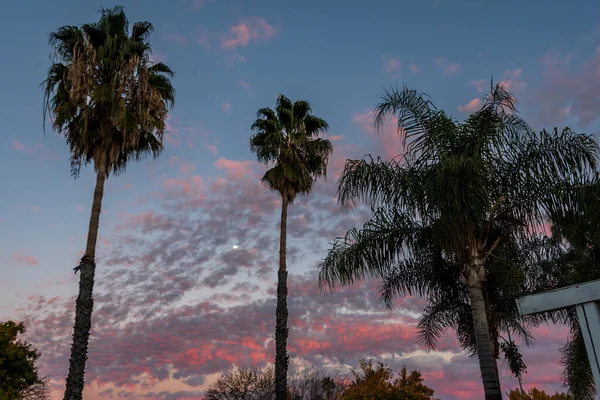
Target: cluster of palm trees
[(456, 218)]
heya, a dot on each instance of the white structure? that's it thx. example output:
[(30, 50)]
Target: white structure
[(583, 297)]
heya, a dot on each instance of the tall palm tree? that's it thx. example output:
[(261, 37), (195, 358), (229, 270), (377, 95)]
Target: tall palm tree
[(110, 103), (288, 136), (461, 191)]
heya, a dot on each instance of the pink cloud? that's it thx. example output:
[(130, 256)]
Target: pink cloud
[(391, 66), (471, 106), (244, 84), (199, 4), (17, 145), (449, 68), (414, 68), (249, 29), (568, 92), (26, 259), (333, 138), (512, 79), (225, 107), (192, 189), (213, 149), (388, 140), (236, 169), (479, 84)]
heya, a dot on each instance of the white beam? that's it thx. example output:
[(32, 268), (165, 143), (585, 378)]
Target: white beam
[(559, 298)]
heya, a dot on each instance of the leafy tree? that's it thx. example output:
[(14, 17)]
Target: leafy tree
[(374, 382), (312, 384), (243, 384), (288, 137), (462, 194), (410, 386), (536, 394), (19, 378), (110, 103)]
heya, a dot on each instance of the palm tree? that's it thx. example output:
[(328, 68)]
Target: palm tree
[(288, 137), (447, 299), (461, 191), (110, 103)]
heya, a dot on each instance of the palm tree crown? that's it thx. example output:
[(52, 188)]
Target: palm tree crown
[(287, 136), (104, 95)]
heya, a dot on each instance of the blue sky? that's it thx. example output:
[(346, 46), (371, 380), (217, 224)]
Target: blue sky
[(338, 55)]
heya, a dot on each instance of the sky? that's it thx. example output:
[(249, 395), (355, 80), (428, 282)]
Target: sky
[(175, 303)]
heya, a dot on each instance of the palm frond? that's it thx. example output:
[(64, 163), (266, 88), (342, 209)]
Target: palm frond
[(578, 374), (370, 252), (413, 110)]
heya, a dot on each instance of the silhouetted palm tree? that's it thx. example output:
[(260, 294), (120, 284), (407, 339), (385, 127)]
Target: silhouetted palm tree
[(288, 137), (461, 191), (110, 103)]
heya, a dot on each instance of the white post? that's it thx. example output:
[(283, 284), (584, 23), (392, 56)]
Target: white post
[(589, 321)]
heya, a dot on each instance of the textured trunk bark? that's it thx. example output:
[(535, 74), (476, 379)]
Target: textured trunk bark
[(85, 302), (487, 362), (281, 329)]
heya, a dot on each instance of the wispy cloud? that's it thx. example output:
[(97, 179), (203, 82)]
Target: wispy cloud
[(247, 30), (25, 259), (391, 66), (471, 106), (449, 68)]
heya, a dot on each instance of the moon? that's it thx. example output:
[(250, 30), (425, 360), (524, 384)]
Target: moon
[(235, 246)]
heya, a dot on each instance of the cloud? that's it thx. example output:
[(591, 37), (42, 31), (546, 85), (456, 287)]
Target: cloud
[(391, 66), (244, 84), (199, 4), (236, 169), (449, 68), (568, 92), (389, 141), (413, 68), (479, 84), (511, 79), (247, 30), (225, 107), (26, 259), (175, 305), (18, 145), (471, 106)]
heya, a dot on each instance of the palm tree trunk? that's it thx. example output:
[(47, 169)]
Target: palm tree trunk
[(85, 302), (487, 362), (281, 329)]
